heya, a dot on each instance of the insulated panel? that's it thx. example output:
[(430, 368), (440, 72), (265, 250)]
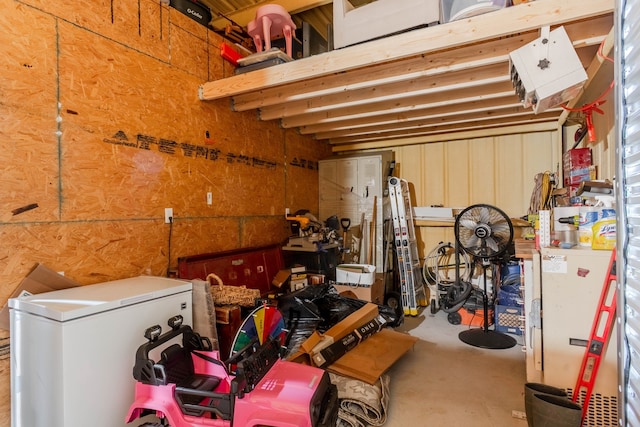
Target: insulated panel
[(628, 209)]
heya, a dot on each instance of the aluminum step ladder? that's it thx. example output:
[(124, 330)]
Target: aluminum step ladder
[(412, 286)]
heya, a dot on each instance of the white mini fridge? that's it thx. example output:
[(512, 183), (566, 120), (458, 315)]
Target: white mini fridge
[(73, 350)]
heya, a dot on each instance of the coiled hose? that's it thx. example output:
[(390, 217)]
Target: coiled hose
[(436, 268)]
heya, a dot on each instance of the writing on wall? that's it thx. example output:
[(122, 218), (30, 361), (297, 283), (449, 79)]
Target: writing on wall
[(171, 147)]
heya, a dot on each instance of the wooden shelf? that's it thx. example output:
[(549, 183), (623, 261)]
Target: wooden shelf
[(516, 222), (448, 81)]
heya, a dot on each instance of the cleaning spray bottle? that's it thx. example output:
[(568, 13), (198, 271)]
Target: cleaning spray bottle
[(604, 230)]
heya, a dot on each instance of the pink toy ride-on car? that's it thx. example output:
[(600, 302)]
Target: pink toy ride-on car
[(190, 386)]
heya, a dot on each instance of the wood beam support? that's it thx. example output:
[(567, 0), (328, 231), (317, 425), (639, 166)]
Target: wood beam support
[(446, 36)]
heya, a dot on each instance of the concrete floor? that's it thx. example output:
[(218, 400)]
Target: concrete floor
[(445, 382)]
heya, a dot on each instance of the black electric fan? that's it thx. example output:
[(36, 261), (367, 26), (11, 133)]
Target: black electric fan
[(484, 232)]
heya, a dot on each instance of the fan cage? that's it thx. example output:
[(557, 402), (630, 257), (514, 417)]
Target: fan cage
[(483, 231)]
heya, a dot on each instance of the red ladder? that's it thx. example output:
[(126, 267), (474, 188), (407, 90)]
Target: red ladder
[(599, 338)]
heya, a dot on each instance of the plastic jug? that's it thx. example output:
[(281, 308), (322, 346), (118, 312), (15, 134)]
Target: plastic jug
[(604, 231)]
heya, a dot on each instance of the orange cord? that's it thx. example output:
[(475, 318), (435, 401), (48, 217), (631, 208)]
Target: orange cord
[(589, 108)]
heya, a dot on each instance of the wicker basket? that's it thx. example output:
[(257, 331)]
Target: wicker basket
[(229, 295)]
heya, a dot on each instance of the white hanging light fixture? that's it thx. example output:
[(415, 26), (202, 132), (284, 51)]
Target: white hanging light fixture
[(547, 71)]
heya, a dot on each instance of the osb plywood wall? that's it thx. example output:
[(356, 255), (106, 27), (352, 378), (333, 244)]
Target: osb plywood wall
[(102, 129)]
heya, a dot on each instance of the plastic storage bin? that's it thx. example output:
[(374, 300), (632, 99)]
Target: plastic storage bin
[(509, 319), (380, 18), (453, 10), (357, 274)]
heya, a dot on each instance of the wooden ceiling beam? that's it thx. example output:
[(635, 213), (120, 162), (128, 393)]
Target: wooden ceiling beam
[(492, 52), (473, 117), (396, 119), (600, 62), (548, 118), (397, 91), (407, 108), (525, 17), (418, 110), (379, 75), (443, 136)]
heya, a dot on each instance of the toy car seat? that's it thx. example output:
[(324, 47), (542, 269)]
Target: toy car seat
[(178, 367)]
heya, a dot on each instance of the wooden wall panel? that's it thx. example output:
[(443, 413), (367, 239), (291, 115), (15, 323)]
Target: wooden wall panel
[(483, 166), (457, 173), (604, 149), (103, 128), (152, 30), (215, 61), (28, 159), (497, 171), (143, 25), (432, 192), (28, 64), (302, 169), (98, 251), (263, 230), (162, 149), (509, 192), (94, 14), (28, 166), (542, 153), (430, 237), (410, 162), (188, 51)]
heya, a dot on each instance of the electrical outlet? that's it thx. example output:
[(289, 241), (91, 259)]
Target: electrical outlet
[(168, 215), (286, 212), (209, 198)]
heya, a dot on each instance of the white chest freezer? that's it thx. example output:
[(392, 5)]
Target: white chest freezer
[(73, 350)]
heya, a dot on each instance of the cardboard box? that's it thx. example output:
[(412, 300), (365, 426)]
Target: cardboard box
[(576, 158), (284, 274), (368, 360), (360, 274), (373, 293), (318, 341), (339, 348), (300, 281), (41, 279), (374, 356)]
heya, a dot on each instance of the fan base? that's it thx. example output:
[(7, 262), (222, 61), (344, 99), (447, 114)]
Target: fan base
[(487, 339)]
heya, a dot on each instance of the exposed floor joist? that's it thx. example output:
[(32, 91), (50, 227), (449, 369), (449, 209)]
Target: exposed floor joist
[(449, 78)]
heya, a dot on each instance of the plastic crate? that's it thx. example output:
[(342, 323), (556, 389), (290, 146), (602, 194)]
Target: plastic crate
[(357, 274), (509, 319)]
